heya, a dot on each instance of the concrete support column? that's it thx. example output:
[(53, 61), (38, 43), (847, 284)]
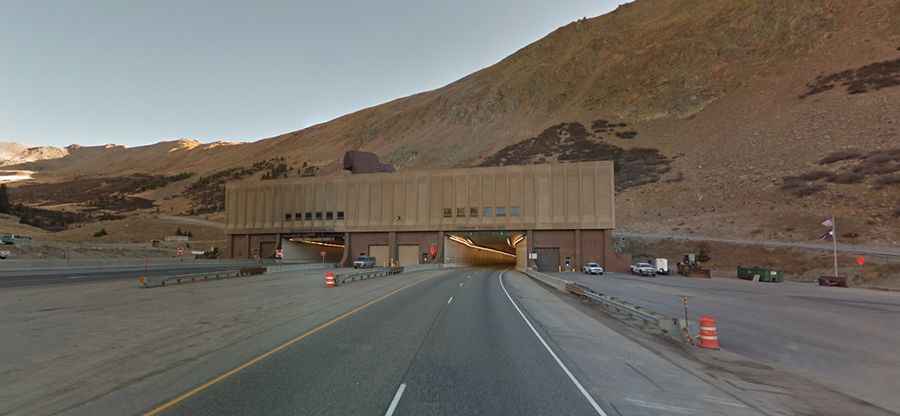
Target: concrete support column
[(249, 247), (345, 258), (440, 245), (392, 246), (529, 240), (578, 259)]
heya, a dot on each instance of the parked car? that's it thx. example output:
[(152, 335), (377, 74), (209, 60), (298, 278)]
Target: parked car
[(4, 254), (643, 269), (364, 262), (592, 268)]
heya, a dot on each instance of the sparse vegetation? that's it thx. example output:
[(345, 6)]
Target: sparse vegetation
[(887, 181), (840, 155), (846, 178), (864, 79), (100, 233), (800, 187), (184, 233), (278, 170), (154, 182), (207, 193), (571, 142), (4, 199), (816, 175), (626, 134)]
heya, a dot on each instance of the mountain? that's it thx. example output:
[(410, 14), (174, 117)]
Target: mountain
[(14, 153), (718, 113)]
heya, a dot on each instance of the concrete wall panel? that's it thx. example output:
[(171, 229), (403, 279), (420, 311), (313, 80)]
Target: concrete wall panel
[(546, 197)]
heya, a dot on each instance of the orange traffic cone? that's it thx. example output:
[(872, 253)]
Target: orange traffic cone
[(709, 335), (329, 279)]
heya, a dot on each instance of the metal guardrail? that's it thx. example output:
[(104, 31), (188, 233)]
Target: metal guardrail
[(160, 281), (613, 305), (342, 278)]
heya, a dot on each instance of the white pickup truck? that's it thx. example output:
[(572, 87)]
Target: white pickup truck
[(643, 269)]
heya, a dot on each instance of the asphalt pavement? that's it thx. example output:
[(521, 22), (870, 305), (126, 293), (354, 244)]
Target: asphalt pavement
[(455, 345), (844, 338)]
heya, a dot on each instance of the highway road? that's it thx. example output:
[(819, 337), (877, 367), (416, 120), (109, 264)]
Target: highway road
[(468, 343), (36, 276), (844, 338)]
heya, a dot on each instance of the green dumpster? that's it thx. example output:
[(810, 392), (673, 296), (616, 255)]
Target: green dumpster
[(761, 274)]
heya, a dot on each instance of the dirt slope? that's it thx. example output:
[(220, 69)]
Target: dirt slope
[(735, 95)]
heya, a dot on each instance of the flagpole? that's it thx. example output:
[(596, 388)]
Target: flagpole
[(834, 242)]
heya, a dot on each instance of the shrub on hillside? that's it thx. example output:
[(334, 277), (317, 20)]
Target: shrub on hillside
[(100, 233), (840, 155), (847, 178)]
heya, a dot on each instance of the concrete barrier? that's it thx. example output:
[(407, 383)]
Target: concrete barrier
[(160, 281), (646, 319)]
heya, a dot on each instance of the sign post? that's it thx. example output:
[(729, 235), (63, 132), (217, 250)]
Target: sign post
[(322, 253)]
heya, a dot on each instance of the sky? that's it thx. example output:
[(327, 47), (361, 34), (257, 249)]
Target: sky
[(127, 72)]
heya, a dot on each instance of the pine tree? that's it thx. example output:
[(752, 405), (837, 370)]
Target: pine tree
[(4, 199)]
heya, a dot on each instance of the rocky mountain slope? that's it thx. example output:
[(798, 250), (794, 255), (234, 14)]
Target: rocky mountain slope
[(715, 111), (12, 153)]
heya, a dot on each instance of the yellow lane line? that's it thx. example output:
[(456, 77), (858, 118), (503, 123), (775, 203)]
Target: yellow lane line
[(204, 386)]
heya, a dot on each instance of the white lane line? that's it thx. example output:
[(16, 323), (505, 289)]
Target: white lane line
[(76, 277), (581, 388), (450, 300), (660, 406), (396, 400), (461, 285)]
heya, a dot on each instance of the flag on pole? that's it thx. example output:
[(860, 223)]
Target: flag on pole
[(827, 236), (828, 223)]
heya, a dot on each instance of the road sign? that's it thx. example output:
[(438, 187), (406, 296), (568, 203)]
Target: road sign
[(279, 253), (861, 260), (322, 253), (432, 250), (179, 251)]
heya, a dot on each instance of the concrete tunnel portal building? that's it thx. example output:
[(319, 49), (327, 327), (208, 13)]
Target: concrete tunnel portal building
[(550, 215)]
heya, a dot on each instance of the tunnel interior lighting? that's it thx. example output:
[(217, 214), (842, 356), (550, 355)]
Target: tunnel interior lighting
[(316, 243), (468, 243)]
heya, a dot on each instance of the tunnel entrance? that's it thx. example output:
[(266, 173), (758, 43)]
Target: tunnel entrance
[(483, 248), (313, 247)]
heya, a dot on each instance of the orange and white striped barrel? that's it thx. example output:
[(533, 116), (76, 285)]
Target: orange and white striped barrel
[(709, 335), (329, 279)]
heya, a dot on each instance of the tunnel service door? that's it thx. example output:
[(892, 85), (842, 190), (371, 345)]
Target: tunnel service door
[(547, 259), (381, 255), (267, 249), (409, 255)]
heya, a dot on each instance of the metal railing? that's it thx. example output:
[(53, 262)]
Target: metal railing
[(160, 281), (342, 278), (613, 305)]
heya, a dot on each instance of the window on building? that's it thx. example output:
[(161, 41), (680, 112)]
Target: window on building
[(329, 215), (319, 215), (307, 216), (500, 211), (515, 211), (460, 212), (473, 212), (340, 215), (298, 216), (448, 212), (287, 217), (488, 211)]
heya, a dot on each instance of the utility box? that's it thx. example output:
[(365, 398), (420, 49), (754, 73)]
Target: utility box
[(760, 274)]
